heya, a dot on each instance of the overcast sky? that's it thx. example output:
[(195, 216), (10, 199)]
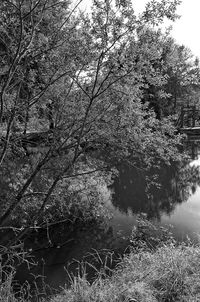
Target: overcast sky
[(186, 30)]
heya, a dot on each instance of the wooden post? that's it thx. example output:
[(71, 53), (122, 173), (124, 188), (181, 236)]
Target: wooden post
[(182, 115), (193, 116), (186, 118), (193, 150)]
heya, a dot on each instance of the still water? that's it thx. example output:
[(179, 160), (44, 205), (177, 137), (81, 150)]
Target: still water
[(185, 218), (174, 204), (170, 196)]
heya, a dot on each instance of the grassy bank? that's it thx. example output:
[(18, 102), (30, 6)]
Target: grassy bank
[(170, 273), (156, 269)]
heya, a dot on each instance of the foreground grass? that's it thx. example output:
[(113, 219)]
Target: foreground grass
[(170, 273), (157, 269)]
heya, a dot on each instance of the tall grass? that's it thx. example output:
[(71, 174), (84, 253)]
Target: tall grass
[(171, 273), (7, 293), (6, 289), (157, 269), (10, 290), (151, 272)]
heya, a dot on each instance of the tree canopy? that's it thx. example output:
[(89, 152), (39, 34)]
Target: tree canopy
[(82, 92)]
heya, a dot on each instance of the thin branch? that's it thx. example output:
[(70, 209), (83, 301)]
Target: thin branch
[(104, 80), (35, 98), (97, 71), (20, 194), (3, 153), (10, 122), (85, 173), (32, 9), (66, 20), (11, 71), (12, 4)]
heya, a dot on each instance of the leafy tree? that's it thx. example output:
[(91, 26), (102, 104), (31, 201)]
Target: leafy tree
[(177, 81), (183, 77), (83, 76)]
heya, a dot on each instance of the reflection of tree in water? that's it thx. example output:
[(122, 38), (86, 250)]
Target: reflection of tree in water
[(193, 148), (154, 192)]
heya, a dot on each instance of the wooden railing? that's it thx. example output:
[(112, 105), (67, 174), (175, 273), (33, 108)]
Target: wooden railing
[(189, 117)]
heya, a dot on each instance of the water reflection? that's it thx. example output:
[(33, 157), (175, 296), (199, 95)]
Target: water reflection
[(193, 148), (55, 264), (170, 196), (156, 192)]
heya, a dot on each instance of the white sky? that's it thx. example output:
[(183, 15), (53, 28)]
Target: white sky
[(186, 29)]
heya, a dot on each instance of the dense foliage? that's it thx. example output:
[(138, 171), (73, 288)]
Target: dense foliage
[(79, 94), (82, 94)]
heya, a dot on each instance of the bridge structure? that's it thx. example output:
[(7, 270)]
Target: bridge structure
[(189, 122)]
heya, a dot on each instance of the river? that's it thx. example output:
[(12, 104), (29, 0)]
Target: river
[(173, 199)]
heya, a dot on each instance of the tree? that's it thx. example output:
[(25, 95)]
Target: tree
[(183, 77), (177, 73), (90, 71)]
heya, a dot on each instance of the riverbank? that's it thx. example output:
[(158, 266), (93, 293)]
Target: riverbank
[(155, 268), (171, 273)]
